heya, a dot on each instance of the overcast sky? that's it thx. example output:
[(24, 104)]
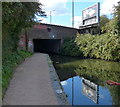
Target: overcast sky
[(62, 10)]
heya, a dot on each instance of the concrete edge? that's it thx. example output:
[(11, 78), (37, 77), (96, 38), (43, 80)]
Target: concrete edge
[(57, 87)]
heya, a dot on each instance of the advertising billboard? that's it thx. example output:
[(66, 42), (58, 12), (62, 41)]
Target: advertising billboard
[(90, 90), (91, 15)]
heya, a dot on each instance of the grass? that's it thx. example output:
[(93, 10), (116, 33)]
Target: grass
[(8, 65)]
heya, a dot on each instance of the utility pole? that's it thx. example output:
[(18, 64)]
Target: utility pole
[(51, 16), (72, 13)]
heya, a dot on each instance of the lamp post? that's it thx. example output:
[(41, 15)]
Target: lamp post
[(51, 16), (72, 13)]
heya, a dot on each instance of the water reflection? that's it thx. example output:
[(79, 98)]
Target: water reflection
[(84, 80), (90, 90)]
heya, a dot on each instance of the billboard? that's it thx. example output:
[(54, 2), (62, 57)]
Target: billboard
[(91, 15), (90, 90)]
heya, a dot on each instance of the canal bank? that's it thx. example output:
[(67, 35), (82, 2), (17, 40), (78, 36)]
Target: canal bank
[(31, 84)]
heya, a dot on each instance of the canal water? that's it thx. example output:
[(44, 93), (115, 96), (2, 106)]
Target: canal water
[(84, 80)]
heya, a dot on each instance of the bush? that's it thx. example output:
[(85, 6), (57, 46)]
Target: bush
[(70, 48), (106, 46)]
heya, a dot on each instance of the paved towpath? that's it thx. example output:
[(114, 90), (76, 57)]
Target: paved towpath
[(31, 84)]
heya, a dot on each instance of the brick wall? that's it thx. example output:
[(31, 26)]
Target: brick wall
[(56, 32), (47, 31)]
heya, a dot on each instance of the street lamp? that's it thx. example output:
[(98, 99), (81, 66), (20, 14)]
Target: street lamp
[(51, 16)]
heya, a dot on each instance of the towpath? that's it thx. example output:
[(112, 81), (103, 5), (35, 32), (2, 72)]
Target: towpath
[(31, 84)]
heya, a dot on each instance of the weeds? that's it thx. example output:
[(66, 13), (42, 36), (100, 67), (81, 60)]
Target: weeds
[(8, 65)]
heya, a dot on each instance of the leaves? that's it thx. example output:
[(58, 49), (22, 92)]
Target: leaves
[(70, 48), (9, 64), (106, 46), (16, 17)]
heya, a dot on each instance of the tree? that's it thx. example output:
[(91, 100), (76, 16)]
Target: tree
[(113, 25), (16, 17), (117, 17), (103, 21)]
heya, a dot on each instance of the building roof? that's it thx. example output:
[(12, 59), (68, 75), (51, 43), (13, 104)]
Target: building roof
[(58, 26)]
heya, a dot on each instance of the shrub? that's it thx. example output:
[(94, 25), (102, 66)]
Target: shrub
[(106, 46), (70, 48)]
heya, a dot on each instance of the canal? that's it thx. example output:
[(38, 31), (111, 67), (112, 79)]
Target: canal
[(84, 80)]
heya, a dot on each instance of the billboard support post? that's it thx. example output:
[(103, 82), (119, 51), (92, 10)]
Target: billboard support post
[(99, 18)]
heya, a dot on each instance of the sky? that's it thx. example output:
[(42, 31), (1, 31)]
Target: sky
[(61, 10)]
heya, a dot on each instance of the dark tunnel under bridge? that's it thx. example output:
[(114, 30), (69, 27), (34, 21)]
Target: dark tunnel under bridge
[(47, 45)]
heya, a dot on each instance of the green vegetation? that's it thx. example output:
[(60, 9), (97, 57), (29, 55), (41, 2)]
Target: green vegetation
[(9, 65), (70, 48), (17, 17), (104, 21), (117, 17), (105, 46)]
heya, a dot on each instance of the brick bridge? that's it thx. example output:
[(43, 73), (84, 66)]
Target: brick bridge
[(45, 38)]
